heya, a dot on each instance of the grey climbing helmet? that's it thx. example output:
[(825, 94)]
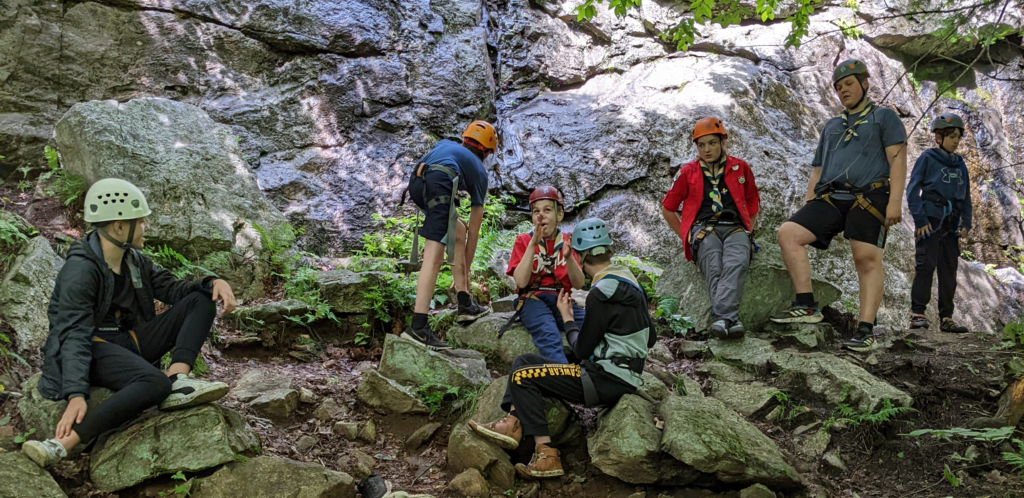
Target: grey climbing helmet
[(947, 120)]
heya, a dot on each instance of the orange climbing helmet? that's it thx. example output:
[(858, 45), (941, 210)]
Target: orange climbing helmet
[(549, 193), (483, 133), (709, 126)]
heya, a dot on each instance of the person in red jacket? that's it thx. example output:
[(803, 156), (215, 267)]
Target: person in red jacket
[(719, 202)]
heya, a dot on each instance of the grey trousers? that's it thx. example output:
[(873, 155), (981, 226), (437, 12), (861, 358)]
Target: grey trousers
[(723, 259)]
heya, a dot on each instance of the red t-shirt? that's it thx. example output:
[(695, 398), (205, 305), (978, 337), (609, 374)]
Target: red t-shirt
[(543, 265)]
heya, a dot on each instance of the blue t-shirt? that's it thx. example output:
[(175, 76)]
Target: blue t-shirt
[(861, 160), (472, 177)]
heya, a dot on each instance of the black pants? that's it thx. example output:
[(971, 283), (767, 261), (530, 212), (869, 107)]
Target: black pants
[(942, 250), (130, 366), (533, 377)]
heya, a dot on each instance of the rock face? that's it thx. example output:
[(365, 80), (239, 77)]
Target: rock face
[(22, 478), (627, 445), (745, 399), (982, 302), (482, 335), (189, 440), (25, 292), (838, 380), (768, 290), (388, 396), (411, 364), (43, 415), (204, 197), (707, 435), (343, 289), (270, 477)]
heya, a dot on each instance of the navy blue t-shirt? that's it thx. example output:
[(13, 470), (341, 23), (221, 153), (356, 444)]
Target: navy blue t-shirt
[(472, 177)]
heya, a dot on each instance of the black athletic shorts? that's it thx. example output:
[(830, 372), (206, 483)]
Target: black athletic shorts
[(431, 185), (826, 221)]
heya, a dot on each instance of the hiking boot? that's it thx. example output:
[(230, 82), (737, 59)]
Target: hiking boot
[(472, 312), (506, 432), (798, 313), (720, 329), (545, 463), (187, 392), (426, 338), (44, 452), (948, 325), (863, 342), (918, 322), (736, 330)]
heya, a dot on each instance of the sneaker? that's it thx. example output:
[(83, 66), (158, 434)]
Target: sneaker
[(862, 343), (187, 392), (44, 452), (736, 330), (425, 337), (720, 329), (798, 313), (918, 322), (506, 432), (545, 463), (472, 312), (948, 325)]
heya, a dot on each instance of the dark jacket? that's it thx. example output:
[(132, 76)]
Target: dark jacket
[(80, 301), (939, 186)]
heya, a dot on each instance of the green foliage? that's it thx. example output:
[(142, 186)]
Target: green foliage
[(442, 322), (986, 434), (950, 477), (184, 488), (437, 395), (1016, 459), (59, 182), (1014, 331), (302, 286), (12, 238), (277, 242), (493, 236), (21, 438), (646, 273), (848, 414), (6, 353), (849, 28), (393, 240), (667, 308), (199, 368), (178, 265), (242, 459), (389, 298)]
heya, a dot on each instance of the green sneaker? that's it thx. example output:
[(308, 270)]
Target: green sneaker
[(799, 313)]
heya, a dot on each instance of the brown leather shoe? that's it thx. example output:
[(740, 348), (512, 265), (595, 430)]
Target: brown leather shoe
[(505, 432), (545, 463)]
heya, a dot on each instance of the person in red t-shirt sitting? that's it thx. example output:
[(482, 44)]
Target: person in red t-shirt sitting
[(553, 268), (719, 202)]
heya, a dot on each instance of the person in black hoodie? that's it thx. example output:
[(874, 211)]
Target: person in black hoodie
[(104, 330), (612, 342), (939, 197)]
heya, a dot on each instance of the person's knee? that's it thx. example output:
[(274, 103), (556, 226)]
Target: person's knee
[(198, 301), (158, 387), (792, 235), (867, 259)]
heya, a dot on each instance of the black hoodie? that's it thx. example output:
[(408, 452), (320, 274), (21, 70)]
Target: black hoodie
[(80, 301)]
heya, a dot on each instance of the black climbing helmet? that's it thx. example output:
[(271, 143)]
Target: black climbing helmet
[(849, 67)]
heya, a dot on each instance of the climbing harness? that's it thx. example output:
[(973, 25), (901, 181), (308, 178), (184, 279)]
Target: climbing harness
[(861, 201)]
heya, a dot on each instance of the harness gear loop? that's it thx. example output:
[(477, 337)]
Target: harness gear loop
[(859, 196)]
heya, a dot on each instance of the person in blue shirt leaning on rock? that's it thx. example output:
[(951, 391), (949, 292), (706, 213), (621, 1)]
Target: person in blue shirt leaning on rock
[(939, 197), (856, 187), (104, 330)]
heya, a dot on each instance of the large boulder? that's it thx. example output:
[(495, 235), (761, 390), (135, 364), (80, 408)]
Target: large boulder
[(707, 435), (627, 445), (25, 292), (768, 290), (204, 197), (838, 380), (343, 289), (482, 335), (745, 399), (188, 440), (412, 364), (983, 303), (22, 478), (254, 383), (748, 352), (388, 396), (43, 415), (271, 477)]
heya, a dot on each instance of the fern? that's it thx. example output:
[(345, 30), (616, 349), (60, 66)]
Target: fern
[(846, 413), (174, 262), (63, 185), (950, 477), (1016, 460)]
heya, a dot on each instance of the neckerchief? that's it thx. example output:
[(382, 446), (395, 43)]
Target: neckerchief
[(862, 117), (716, 180)]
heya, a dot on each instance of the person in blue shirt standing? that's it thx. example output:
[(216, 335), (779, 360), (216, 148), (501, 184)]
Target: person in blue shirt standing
[(448, 168), (939, 197)]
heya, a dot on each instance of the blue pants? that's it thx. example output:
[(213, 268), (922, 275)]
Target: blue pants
[(544, 322)]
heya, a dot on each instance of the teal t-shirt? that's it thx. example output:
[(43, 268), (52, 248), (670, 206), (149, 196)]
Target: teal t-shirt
[(861, 160)]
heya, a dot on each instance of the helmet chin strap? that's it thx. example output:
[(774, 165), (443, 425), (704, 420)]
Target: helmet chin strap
[(127, 244)]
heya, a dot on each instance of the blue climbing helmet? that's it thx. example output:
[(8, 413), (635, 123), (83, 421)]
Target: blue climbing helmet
[(589, 234)]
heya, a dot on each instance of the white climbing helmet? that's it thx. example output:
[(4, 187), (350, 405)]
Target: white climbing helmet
[(112, 199)]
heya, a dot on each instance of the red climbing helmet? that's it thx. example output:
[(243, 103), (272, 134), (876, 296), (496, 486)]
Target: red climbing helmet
[(547, 192)]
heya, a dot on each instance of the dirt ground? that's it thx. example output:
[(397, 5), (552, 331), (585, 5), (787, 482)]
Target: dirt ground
[(952, 378)]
